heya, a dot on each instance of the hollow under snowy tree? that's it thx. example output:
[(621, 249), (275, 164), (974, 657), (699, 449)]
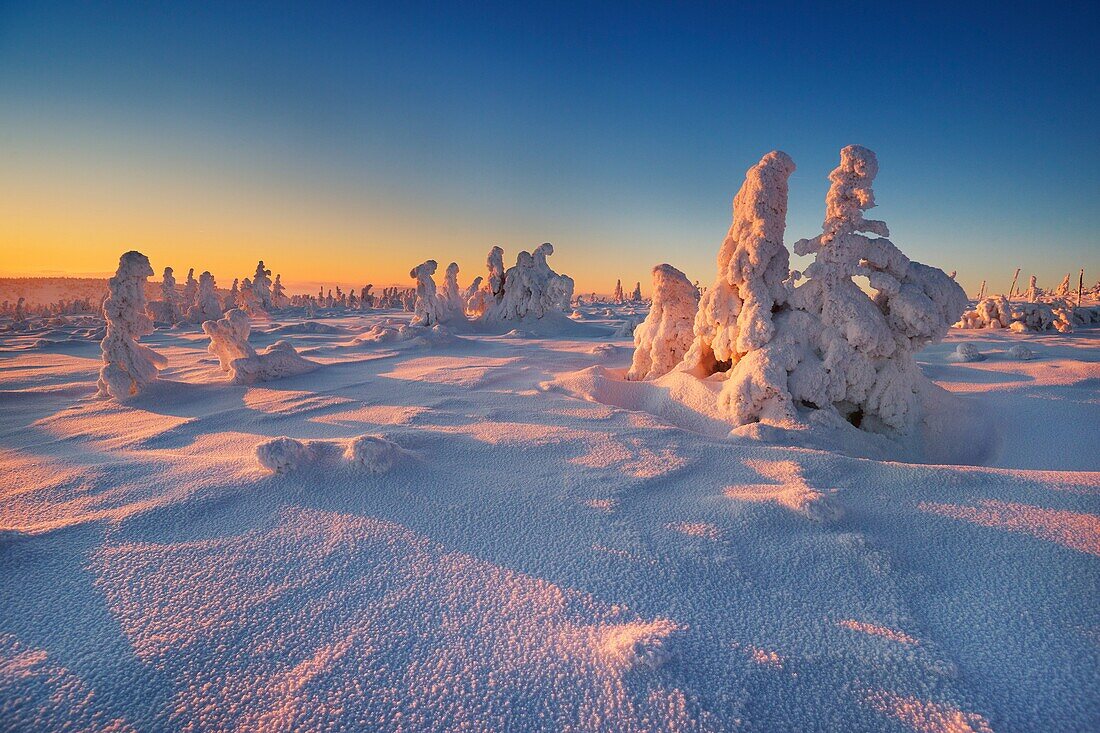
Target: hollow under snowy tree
[(229, 342), (128, 367), (662, 340), (428, 309)]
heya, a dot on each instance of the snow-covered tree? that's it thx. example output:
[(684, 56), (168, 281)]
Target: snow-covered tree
[(864, 347), (232, 300), (532, 289), (495, 263), (451, 297), (1064, 288), (229, 342), (734, 315), (261, 286), (278, 293), (128, 367), (190, 291), (662, 340), (428, 310), (207, 306), (165, 310), (636, 296), (825, 345), (1033, 292), (619, 297)]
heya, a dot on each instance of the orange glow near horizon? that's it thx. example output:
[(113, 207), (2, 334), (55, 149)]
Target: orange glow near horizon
[(72, 210)]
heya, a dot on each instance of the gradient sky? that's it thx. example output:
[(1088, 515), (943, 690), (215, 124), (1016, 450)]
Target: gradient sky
[(344, 143)]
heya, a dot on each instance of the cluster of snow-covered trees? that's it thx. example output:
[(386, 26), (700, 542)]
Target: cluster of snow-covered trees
[(825, 346), (528, 289)]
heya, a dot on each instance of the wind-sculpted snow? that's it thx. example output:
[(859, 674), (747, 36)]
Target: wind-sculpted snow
[(497, 535), (128, 367), (229, 342)]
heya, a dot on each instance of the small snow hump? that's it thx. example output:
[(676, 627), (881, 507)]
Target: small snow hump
[(1020, 352), (373, 453), (639, 644), (966, 352)]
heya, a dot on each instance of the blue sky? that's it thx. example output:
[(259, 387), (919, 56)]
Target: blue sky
[(380, 136)]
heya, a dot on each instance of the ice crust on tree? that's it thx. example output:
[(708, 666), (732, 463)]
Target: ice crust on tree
[(207, 306), (451, 298), (734, 315), (531, 289), (825, 345), (229, 342), (128, 367), (261, 286), (662, 340), (428, 310), (166, 310)]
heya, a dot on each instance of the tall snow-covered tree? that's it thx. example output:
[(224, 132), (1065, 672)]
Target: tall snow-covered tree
[(128, 367)]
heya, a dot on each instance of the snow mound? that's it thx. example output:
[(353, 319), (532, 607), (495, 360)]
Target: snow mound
[(965, 352), (372, 453), (638, 644), (1020, 352), (229, 342)]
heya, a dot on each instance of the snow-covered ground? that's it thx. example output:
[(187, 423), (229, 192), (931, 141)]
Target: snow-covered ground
[(515, 555)]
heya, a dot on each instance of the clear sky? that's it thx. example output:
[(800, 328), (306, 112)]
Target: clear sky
[(345, 143)]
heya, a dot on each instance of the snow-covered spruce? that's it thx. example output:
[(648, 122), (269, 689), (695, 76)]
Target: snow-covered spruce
[(278, 293), (128, 367), (229, 342), (825, 345), (165, 310), (428, 309), (998, 312), (451, 298), (734, 315), (190, 291), (207, 306), (662, 340), (531, 289), (371, 453), (636, 296), (863, 348), (261, 286)]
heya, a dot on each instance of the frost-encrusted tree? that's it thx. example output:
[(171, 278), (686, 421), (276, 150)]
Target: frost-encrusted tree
[(165, 310), (636, 296), (207, 306), (190, 291), (495, 263), (861, 361), (233, 297), (261, 286), (128, 367), (229, 342), (532, 288), (735, 314), (278, 293), (1033, 291), (1064, 288), (428, 309), (451, 297), (661, 341), (618, 297)]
